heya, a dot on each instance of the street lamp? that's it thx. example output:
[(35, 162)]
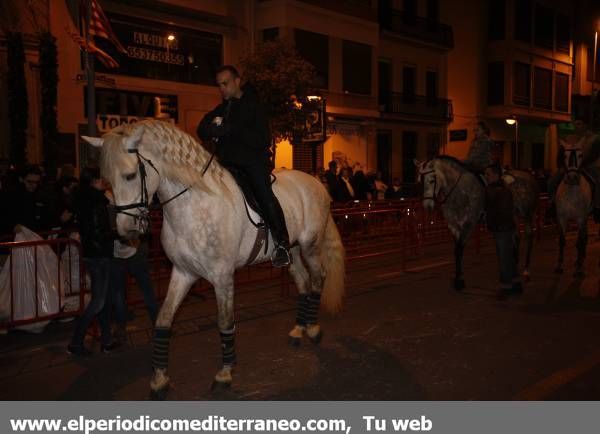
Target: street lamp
[(513, 121)]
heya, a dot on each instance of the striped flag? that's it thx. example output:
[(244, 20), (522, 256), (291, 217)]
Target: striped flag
[(102, 56), (99, 26)]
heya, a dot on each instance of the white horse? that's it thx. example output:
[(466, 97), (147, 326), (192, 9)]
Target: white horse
[(206, 231)]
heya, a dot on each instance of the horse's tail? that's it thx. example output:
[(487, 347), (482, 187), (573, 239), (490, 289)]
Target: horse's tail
[(334, 257)]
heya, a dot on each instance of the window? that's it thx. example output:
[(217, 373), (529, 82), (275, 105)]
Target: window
[(270, 34), (192, 57), (409, 153), (496, 20), (433, 144), (521, 83), (537, 155), (563, 33), (433, 10), (561, 92), (495, 83), (433, 15), (544, 27), (409, 9), (542, 96), (314, 47), (409, 83), (385, 82), (590, 63), (431, 87), (523, 20), (356, 64)]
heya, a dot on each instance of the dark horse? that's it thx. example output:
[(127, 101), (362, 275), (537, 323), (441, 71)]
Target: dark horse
[(448, 182)]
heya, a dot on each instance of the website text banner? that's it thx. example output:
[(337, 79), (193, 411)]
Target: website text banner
[(288, 417)]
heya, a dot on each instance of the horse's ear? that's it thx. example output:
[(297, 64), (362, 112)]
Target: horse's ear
[(94, 141), (132, 141)]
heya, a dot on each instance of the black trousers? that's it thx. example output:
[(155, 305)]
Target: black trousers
[(259, 176)]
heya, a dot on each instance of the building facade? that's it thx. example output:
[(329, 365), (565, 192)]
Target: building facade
[(512, 59)]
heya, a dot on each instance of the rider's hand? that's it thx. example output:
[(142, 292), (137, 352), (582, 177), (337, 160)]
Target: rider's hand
[(218, 120)]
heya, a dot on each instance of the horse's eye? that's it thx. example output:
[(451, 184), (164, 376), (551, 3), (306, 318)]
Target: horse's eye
[(131, 176)]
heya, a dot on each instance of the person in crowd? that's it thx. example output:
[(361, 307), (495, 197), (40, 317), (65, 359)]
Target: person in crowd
[(345, 189), (97, 238), (380, 187), (332, 180), (395, 190), (480, 152), (27, 205), (360, 184), (65, 190), (501, 222)]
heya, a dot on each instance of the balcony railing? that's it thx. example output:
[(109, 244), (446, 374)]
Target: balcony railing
[(416, 105), (420, 28)]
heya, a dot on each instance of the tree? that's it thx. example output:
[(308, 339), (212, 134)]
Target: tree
[(48, 117), (17, 98), (282, 78)]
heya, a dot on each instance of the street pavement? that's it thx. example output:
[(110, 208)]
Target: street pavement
[(404, 334)]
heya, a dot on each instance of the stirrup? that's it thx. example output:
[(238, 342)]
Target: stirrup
[(281, 257)]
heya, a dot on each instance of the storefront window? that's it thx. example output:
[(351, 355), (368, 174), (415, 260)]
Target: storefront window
[(163, 52)]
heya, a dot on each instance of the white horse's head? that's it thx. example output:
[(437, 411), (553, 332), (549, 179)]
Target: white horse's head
[(428, 177), (573, 158), (133, 177)]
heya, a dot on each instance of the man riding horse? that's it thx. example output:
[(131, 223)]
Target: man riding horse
[(588, 144), (480, 152), (240, 130)]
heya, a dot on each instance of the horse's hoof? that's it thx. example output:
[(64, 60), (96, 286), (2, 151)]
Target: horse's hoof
[(160, 394), (219, 386), (294, 341), (459, 284), (317, 338), (558, 270)]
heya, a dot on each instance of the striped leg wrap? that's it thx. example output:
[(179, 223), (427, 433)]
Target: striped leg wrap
[(302, 310), (228, 347), (160, 355), (312, 309)]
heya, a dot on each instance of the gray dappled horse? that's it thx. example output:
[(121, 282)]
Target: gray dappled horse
[(573, 203), (206, 232), (447, 182)]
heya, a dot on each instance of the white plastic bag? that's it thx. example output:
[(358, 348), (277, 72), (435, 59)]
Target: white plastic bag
[(24, 282)]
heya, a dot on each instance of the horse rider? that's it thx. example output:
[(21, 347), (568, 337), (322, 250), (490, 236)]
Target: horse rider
[(480, 152), (501, 222), (588, 143), (240, 130)]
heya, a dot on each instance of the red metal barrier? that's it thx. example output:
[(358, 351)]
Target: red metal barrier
[(58, 245), (368, 228)]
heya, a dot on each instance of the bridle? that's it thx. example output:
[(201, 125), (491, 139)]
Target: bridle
[(144, 206), (572, 165), (435, 194)]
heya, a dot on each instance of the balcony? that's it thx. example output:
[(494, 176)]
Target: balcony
[(422, 107), (417, 28)]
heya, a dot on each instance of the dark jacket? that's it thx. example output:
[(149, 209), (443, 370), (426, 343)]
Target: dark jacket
[(499, 208), (243, 139), (332, 183), (32, 210), (97, 236), (360, 184)]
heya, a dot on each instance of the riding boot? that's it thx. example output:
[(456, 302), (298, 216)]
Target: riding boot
[(281, 255)]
